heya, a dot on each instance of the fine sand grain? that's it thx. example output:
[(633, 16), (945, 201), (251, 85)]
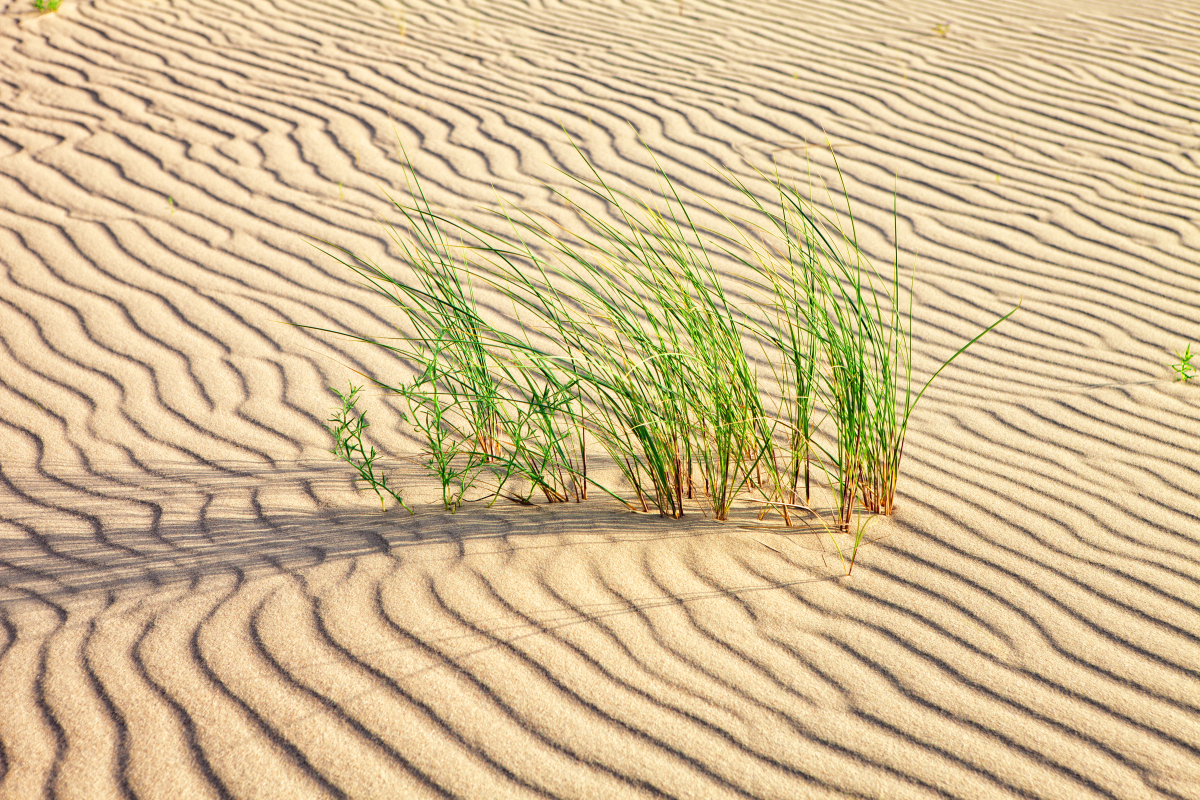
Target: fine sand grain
[(194, 601)]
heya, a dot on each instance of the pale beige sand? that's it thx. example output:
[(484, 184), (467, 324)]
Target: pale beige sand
[(195, 603)]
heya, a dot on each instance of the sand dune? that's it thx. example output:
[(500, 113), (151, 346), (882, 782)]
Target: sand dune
[(194, 601)]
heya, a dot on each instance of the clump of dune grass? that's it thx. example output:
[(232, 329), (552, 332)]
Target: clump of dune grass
[(629, 336), (486, 404), (646, 330), (844, 344), (863, 346)]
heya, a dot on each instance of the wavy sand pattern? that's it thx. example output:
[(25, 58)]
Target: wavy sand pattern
[(195, 603)]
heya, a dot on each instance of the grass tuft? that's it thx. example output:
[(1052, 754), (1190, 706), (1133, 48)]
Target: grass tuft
[(629, 336)]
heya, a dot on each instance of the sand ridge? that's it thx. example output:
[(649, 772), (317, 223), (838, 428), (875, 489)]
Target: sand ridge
[(194, 602)]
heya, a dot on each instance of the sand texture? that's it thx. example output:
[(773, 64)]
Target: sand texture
[(196, 603)]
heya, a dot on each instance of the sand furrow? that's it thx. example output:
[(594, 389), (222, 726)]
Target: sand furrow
[(195, 602)]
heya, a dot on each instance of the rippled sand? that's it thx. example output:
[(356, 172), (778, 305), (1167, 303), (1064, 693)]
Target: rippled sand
[(194, 602)]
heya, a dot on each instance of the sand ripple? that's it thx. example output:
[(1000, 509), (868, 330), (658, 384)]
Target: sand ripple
[(194, 603)]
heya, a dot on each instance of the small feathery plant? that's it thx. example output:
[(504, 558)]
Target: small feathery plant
[(346, 426)]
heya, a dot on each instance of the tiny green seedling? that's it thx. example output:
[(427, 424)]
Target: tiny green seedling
[(171, 204), (1184, 370), (47, 6), (942, 30)]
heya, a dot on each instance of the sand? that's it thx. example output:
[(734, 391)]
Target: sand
[(195, 602)]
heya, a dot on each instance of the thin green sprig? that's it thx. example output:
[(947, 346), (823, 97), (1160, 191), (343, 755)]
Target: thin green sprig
[(346, 426)]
